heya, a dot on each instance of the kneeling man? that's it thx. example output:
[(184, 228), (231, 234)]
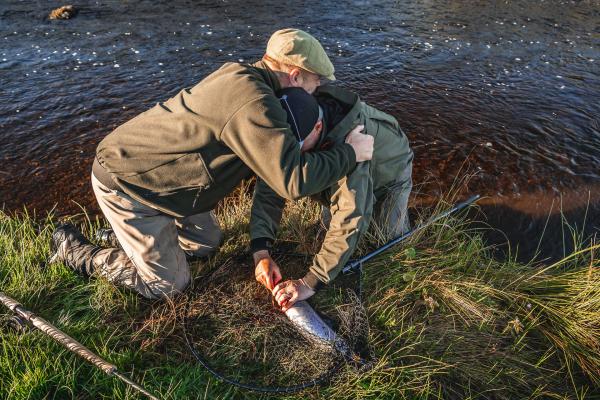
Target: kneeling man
[(158, 177)]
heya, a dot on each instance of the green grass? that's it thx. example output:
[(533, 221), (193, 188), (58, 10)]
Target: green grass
[(441, 316)]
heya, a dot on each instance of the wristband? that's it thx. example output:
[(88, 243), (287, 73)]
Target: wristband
[(261, 244)]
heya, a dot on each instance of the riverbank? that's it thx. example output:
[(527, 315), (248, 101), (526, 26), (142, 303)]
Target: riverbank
[(445, 320)]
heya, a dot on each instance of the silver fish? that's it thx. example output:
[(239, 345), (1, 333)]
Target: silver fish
[(313, 328)]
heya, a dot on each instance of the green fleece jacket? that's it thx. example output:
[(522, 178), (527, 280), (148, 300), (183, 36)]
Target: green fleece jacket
[(351, 198), (185, 154)]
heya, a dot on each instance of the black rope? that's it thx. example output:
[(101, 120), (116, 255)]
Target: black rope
[(321, 379)]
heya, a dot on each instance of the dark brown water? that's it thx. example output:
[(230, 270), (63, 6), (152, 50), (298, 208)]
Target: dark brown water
[(508, 91)]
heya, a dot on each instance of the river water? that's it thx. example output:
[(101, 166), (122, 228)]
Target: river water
[(505, 91)]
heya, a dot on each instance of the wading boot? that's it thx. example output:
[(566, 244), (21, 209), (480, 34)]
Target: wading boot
[(108, 237), (73, 249)]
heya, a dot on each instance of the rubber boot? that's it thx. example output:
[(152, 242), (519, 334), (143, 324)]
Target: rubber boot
[(108, 237), (73, 249)]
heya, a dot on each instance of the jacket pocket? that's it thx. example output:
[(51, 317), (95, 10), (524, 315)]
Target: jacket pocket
[(187, 171)]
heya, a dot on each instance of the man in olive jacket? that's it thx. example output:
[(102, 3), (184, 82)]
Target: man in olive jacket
[(158, 177), (380, 186)]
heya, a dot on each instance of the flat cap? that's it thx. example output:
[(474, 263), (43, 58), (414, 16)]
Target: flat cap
[(298, 48)]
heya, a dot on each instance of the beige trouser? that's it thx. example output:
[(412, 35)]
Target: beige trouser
[(152, 260)]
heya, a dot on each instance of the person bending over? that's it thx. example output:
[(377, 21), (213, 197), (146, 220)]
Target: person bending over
[(374, 190)]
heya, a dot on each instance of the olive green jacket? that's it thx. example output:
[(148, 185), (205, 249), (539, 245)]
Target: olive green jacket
[(184, 155), (351, 198)]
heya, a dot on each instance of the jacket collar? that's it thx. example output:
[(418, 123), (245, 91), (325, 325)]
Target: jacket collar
[(268, 75), (349, 121)]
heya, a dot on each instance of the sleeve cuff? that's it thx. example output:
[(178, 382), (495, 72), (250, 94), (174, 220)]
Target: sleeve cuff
[(311, 280), (351, 156), (262, 243)]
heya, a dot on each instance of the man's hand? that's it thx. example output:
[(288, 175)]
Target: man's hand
[(266, 270), (361, 143), (289, 292)]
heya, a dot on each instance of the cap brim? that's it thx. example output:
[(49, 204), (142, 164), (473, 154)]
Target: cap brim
[(326, 79)]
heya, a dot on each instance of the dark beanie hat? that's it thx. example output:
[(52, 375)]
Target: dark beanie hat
[(302, 110)]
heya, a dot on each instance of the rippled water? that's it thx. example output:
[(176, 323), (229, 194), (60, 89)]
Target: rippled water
[(506, 90)]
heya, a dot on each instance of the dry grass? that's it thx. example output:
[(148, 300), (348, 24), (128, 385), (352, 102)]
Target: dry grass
[(440, 318)]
